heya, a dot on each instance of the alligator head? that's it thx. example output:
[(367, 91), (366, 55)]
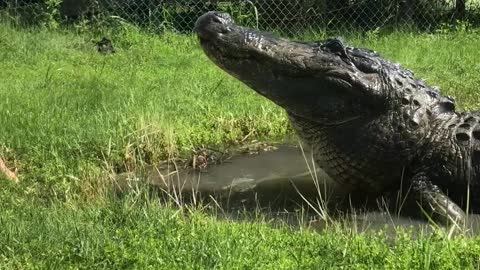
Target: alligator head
[(323, 82)]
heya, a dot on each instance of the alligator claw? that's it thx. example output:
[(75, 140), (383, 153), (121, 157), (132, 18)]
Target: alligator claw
[(437, 204)]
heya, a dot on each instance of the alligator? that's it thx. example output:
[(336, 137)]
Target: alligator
[(373, 127)]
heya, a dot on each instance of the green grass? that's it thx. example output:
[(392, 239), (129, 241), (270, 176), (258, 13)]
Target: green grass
[(69, 116), (64, 106), (137, 232)]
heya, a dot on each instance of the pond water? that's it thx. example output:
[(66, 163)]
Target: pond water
[(280, 182)]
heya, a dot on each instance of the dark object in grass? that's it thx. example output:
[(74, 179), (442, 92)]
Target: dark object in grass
[(373, 127), (105, 46)]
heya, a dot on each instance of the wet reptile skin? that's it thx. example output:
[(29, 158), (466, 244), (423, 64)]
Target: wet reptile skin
[(371, 124)]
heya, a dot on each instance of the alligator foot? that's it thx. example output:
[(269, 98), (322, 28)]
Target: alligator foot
[(436, 204)]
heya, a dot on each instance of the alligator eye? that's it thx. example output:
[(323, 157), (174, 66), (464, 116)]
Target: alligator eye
[(216, 19)]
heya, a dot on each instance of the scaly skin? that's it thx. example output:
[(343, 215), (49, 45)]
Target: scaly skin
[(371, 124)]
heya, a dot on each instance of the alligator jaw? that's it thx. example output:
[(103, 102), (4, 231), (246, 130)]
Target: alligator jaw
[(223, 40), (311, 80)]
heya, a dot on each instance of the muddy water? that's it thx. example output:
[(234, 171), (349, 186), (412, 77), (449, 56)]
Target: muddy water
[(286, 173), (280, 182)]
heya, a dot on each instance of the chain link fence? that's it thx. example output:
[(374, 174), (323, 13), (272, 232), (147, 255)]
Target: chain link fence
[(290, 17)]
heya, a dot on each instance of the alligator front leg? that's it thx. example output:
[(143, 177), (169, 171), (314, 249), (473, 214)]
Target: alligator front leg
[(435, 202)]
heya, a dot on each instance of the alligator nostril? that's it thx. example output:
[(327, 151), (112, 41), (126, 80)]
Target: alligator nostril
[(212, 23)]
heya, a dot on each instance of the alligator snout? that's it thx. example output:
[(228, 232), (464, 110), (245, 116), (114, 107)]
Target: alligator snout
[(212, 23)]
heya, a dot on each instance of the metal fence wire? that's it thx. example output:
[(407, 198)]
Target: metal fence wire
[(287, 16)]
